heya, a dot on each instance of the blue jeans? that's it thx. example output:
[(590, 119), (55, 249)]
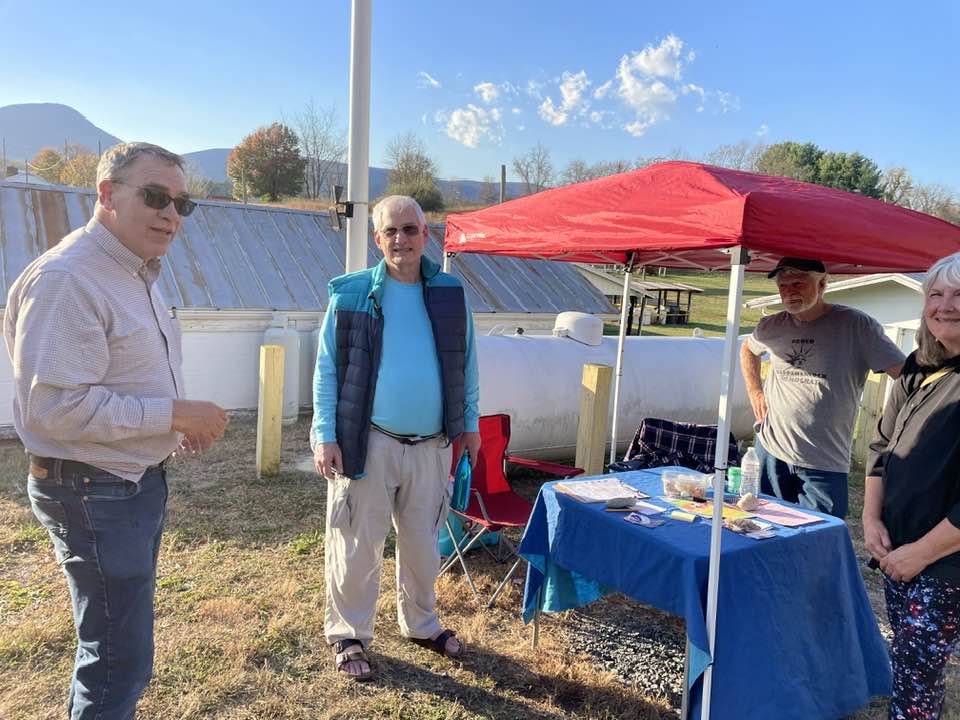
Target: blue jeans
[(821, 490), (106, 537)]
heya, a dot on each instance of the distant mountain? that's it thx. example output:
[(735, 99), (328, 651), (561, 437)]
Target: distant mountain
[(213, 164), (28, 128)]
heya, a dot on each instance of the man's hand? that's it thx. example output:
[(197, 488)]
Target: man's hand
[(201, 421), (193, 445), (758, 401), (327, 459), (471, 442), (876, 539), (904, 563)]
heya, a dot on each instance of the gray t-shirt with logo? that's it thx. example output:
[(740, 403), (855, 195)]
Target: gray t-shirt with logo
[(816, 377)]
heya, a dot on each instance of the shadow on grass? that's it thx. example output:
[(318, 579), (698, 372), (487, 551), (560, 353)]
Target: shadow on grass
[(507, 678)]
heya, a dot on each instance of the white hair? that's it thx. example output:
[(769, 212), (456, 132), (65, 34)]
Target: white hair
[(401, 202)]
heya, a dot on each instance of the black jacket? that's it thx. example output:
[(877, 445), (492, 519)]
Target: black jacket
[(916, 450)]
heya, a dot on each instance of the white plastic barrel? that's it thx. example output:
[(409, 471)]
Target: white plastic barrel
[(279, 333)]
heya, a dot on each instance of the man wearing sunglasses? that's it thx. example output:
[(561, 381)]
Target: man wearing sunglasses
[(396, 383), (99, 405)]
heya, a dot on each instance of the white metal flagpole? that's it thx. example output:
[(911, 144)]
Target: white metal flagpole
[(738, 260), (624, 301), (358, 167)]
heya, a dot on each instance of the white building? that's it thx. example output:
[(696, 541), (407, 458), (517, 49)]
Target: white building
[(894, 299)]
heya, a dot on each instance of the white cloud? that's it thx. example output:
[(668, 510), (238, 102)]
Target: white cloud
[(572, 87), (516, 111), (533, 88), (727, 102), (601, 92), (650, 100), (471, 124), (661, 61), (763, 130), (487, 91), (427, 80)]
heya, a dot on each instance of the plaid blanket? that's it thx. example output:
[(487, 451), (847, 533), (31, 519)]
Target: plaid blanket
[(664, 442)]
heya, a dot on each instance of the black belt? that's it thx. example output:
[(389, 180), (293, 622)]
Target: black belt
[(405, 439), (75, 466)]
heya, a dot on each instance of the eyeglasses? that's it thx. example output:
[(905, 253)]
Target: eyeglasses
[(408, 230), (158, 200)]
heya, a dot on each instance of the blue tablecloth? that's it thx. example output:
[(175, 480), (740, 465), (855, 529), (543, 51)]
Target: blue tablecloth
[(796, 636)]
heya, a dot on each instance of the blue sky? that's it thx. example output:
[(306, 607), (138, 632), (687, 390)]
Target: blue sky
[(481, 83)]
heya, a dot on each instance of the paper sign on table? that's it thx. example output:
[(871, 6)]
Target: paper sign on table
[(705, 509), (783, 515)]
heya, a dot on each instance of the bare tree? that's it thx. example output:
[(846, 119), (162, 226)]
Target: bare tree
[(323, 146), (675, 153), (736, 156), (412, 171), (579, 171), (534, 169), (897, 185), (488, 193), (198, 184)]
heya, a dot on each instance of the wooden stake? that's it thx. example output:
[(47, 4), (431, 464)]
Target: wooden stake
[(269, 410), (594, 416)]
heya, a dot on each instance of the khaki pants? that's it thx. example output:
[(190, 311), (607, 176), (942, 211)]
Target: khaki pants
[(405, 485)]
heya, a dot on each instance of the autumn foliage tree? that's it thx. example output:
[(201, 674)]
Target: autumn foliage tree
[(267, 164), (48, 164)]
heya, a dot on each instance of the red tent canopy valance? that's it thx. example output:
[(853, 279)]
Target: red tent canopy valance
[(683, 214)]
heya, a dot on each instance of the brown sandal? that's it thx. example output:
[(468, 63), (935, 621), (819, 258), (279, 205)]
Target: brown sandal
[(352, 651), (439, 644)]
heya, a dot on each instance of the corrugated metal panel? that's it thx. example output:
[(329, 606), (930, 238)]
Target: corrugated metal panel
[(234, 256)]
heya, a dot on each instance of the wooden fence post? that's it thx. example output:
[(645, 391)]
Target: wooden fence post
[(594, 417), (269, 410), (871, 408)]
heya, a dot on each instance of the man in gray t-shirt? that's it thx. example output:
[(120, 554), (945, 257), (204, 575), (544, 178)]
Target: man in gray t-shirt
[(819, 358)]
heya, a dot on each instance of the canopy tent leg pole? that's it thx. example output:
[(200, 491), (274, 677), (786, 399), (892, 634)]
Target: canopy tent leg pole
[(738, 260), (628, 268)]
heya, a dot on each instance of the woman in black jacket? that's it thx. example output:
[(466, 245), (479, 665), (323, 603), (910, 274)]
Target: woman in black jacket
[(911, 505)]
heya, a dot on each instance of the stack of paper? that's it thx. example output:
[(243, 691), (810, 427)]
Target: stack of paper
[(599, 490)]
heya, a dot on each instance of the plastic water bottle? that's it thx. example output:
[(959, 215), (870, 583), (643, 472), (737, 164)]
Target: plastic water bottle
[(750, 473)]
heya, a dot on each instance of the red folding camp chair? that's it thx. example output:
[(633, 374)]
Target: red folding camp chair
[(494, 506)]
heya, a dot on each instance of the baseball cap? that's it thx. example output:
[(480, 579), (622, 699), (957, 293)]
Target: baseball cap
[(801, 264)]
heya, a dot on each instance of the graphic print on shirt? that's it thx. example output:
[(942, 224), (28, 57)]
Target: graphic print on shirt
[(801, 353)]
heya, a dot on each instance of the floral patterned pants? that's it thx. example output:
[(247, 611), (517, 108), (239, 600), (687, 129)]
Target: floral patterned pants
[(924, 616)]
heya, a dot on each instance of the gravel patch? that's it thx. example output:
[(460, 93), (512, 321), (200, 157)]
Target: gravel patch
[(641, 646)]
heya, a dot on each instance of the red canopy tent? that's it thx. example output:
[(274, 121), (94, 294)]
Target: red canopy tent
[(683, 214), (695, 216)]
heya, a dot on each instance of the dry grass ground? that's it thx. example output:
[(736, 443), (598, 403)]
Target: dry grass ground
[(240, 626), (240, 616)]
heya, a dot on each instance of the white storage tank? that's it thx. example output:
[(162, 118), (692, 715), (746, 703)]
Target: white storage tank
[(536, 380), (280, 333)]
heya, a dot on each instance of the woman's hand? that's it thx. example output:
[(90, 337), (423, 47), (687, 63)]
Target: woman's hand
[(876, 539), (904, 563)]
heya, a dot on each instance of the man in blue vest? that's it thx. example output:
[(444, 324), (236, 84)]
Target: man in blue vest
[(396, 383)]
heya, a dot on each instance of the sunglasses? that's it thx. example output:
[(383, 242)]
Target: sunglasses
[(408, 230), (158, 200)]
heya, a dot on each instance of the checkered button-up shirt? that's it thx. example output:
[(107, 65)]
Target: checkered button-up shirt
[(96, 355)]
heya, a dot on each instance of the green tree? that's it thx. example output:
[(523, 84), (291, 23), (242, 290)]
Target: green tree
[(413, 172), (267, 163), (48, 164), (850, 171), (792, 160)]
